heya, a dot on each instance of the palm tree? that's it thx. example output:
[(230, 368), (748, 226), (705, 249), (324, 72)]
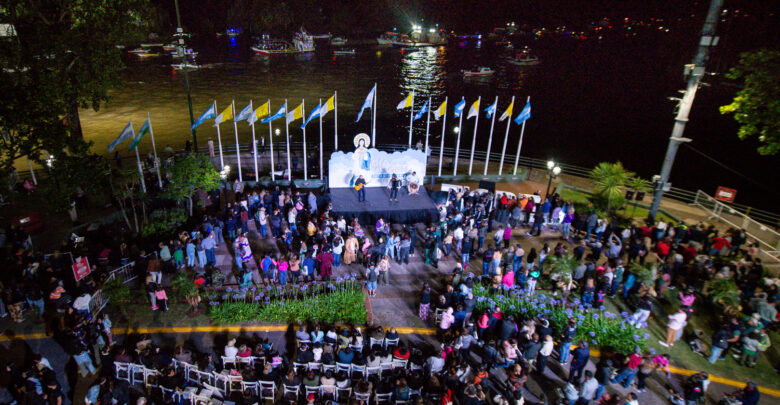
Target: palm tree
[(645, 273), (610, 180), (637, 184), (562, 268)]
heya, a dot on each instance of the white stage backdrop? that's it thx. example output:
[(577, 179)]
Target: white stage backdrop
[(376, 166)]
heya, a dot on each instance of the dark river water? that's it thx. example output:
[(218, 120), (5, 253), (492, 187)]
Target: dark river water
[(592, 101)]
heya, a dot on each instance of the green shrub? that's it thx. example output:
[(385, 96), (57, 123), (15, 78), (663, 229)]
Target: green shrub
[(601, 328)]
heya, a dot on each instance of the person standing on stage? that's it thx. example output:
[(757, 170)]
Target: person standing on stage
[(393, 186), (360, 185)]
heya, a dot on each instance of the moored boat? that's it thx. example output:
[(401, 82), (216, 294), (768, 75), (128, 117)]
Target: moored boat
[(482, 71)]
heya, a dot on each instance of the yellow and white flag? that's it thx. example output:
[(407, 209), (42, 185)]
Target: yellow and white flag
[(406, 102), (439, 112), (227, 114), (507, 113), (259, 113), (329, 106), (474, 110), (295, 114)]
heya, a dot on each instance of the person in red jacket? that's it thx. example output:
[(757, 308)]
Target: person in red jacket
[(718, 243)]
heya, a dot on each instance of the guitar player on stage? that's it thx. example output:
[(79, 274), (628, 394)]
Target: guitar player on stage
[(393, 185), (360, 186)]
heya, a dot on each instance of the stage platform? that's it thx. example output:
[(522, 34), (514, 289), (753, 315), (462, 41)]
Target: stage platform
[(409, 209)]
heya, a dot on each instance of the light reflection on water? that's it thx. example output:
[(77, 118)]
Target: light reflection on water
[(154, 87)]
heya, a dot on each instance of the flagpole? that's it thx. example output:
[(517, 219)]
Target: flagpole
[(427, 128), (506, 138), (411, 119), (490, 138), (271, 138), (443, 132), (138, 160), (320, 116), (305, 160), (474, 139), (219, 140), (154, 149), (238, 151), (520, 143), (287, 135), (373, 120), (254, 142), (335, 121), (457, 144)]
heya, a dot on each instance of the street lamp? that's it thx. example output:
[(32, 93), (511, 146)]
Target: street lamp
[(456, 130), (553, 170)]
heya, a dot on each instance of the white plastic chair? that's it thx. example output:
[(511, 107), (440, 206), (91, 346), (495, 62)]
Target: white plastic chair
[(326, 367), (123, 371), (344, 367), (399, 363), (382, 398), (228, 360), (291, 390), (267, 390), (254, 386), (391, 343), (369, 371), (362, 397), (314, 366), (358, 369), (329, 391), (376, 342)]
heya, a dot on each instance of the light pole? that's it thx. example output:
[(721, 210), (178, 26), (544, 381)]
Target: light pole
[(553, 170), (181, 52), (694, 73)]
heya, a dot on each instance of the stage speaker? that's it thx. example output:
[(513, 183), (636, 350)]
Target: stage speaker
[(629, 195), (640, 196), (488, 185)]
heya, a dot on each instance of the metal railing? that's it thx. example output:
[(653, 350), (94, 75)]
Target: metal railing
[(718, 211), (99, 298), (229, 150)]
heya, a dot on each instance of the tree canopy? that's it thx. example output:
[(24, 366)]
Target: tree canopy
[(757, 106), (188, 174)]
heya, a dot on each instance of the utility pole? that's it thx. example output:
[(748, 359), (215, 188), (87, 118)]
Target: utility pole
[(694, 72), (181, 52)]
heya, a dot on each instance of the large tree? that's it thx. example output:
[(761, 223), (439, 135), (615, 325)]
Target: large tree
[(757, 106), (189, 174), (68, 48)]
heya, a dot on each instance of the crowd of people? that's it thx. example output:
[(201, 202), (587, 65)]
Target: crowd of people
[(312, 243)]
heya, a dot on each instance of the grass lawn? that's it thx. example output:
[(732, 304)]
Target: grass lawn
[(580, 199), (682, 356)]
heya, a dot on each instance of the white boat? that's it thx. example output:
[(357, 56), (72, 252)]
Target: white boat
[(169, 47), (187, 65), (338, 41), (143, 53), (150, 45), (302, 43), (482, 71), (344, 52), (525, 58)]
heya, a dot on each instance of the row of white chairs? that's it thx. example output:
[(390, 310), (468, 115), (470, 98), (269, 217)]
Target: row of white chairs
[(352, 369), (384, 343)]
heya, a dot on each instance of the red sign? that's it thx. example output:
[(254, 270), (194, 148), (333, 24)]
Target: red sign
[(81, 268), (725, 194)]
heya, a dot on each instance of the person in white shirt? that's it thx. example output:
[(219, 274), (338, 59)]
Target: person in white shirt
[(544, 353), (81, 304), (457, 234), (435, 364), (677, 321), (589, 387), (231, 350)]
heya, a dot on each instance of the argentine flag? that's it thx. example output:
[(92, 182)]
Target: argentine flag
[(524, 115), (126, 133), (245, 113), (422, 111), (369, 103), (276, 116), (207, 115), (459, 108), (492, 109), (314, 114)]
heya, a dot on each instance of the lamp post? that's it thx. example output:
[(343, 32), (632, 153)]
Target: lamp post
[(553, 170)]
